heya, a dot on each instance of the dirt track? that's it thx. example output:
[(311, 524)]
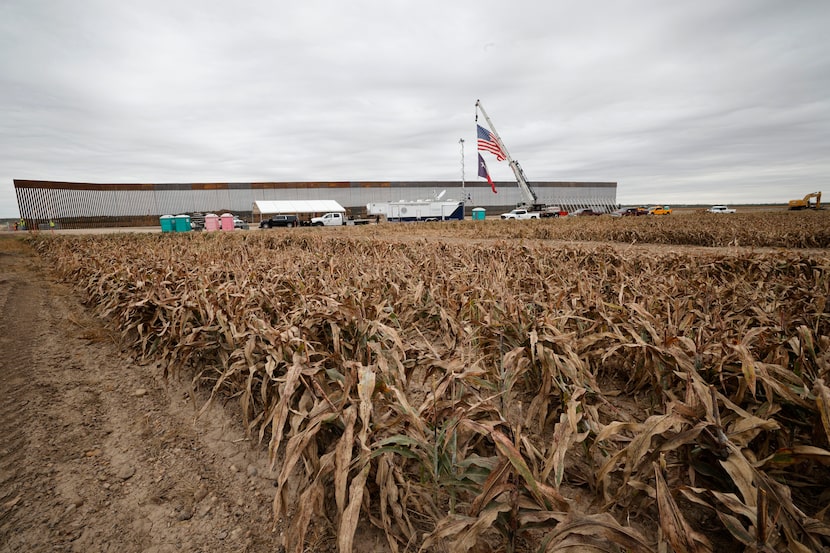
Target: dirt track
[(99, 453)]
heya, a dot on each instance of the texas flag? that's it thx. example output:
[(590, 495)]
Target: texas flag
[(482, 172)]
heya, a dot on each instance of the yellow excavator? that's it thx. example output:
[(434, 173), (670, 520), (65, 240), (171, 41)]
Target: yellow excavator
[(804, 203)]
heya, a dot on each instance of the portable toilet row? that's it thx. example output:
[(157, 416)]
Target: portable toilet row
[(216, 222), (177, 223), (181, 223)]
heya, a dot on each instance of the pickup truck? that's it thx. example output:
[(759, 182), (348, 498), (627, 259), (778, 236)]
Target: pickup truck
[(336, 220), (720, 209), (659, 210), (629, 212), (279, 221), (520, 214)]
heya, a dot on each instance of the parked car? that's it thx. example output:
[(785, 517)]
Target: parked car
[(585, 211), (239, 223), (720, 209), (279, 221), (629, 212), (659, 210)]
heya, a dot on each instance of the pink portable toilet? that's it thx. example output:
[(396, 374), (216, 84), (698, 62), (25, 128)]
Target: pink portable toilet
[(227, 221), (211, 221)]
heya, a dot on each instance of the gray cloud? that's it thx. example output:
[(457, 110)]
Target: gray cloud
[(677, 102)]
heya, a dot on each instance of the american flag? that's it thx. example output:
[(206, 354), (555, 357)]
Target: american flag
[(487, 143)]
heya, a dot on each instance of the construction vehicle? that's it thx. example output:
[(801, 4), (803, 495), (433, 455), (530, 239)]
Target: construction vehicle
[(531, 201), (804, 203)]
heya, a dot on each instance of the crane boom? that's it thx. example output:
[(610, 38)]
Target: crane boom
[(527, 192)]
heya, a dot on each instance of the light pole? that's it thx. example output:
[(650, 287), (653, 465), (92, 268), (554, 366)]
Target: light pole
[(463, 189)]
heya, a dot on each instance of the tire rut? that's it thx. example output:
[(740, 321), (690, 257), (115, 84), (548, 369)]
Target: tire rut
[(19, 323)]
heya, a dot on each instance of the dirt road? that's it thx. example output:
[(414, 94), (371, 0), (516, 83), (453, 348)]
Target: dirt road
[(98, 452)]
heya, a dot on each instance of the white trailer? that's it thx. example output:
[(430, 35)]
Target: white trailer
[(418, 210)]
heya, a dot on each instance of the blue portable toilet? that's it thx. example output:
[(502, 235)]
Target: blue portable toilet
[(479, 213), (182, 223), (166, 222)]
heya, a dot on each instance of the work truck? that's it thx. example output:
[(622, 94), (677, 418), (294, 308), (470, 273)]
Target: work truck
[(520, 214), (336, 219)]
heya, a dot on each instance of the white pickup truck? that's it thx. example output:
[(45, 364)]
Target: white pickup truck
[(720, 209), (336, 220), (520, 214)]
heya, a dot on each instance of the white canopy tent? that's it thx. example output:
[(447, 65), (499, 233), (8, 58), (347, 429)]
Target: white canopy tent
[(285, 207)]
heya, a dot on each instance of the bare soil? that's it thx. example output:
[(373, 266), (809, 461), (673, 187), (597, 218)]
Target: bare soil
[(99, 452)]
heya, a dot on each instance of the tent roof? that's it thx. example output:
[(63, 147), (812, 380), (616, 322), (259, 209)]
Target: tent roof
[(267, 207)]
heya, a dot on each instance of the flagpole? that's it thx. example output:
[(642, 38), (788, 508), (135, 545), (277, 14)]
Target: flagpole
[(461, 141)]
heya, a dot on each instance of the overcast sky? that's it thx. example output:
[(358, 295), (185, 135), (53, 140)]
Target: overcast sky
[(677, 101)]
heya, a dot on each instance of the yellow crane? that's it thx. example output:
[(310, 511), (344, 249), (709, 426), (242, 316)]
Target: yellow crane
[(805, 202)]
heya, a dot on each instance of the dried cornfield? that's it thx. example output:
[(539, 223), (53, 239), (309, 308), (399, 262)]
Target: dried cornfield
[(501, 395), (759, 229)]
